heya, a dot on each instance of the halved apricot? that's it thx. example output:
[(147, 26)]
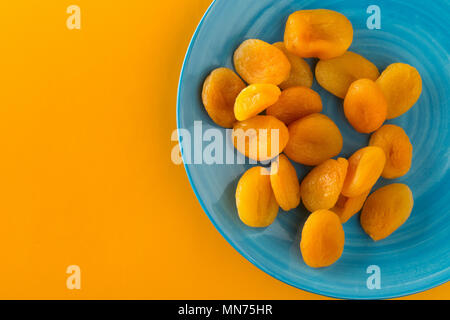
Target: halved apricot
[(257, 61), (322, 240), (295, 103), (365, 106), (386, 210), (401, 84), (337, 74), (318, 33), (364, 169), (320, 189), (285, 184), (220, 90), (301, 74), (313, 139), (260, 138), (397, 147), (254, 99), (255, 200), (347, 207)]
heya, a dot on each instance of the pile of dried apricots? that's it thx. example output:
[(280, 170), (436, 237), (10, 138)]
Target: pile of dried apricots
[(277, 81)]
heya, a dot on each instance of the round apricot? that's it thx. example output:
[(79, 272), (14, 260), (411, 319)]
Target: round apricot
[(365, 106), (220, 90), (321, 188), (255, 200), (322, 240), (260, 138), (397, 148), (257, 61), (301, 74), (347, 207), (295, 103), (254, 99), (364, 169), (337, 74), (386, 210), (318, 33), (401, 84), (313, 139), (285, 183)]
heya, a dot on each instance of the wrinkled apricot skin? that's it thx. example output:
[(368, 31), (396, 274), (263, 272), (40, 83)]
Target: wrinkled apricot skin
[(255, 200), (386, 210), (260, 138), (397, 148), (313, 139), (337, 74), (301, 74), (257, 61), (346, 207), (401, 84), (364, 169), (295, 103), (321, 188), (323, 239), (318, 33), (285, 184), (254, 99), (219, 93), (365, 106)]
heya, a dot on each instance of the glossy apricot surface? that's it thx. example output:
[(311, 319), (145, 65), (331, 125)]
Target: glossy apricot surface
[(347, 207), (255, 200), (321, 187), (313, 139), (261, 137), (318, 33), (219, 93), (397, 148), (364, 170), (337, 74), (401, 84), (301, 74), (386, 210), (295, 103), (254, 99), (323, 239), (285, 184), (257, 61)]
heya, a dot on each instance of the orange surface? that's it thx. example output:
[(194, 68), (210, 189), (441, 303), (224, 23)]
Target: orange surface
[(86, 177)]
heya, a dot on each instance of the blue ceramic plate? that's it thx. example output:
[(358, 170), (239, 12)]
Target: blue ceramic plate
[(417, 256)]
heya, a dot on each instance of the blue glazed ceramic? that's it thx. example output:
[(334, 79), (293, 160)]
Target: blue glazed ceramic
[(414, 258)]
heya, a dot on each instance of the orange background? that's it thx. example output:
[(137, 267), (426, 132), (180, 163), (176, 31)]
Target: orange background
[(86, 178)]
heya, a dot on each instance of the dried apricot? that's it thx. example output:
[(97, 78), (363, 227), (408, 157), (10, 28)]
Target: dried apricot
[(295, 103), (322, 240), (313, 139), (401, 84), (220, 90), (318, 33), (337, 74), (257, 61), (260, 138), (364, 169), (386, 210), (365, 106), (254, 99), (321, 188), (397, 148), (301, 74), (285, 183), (255, 200), (347, 207)]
